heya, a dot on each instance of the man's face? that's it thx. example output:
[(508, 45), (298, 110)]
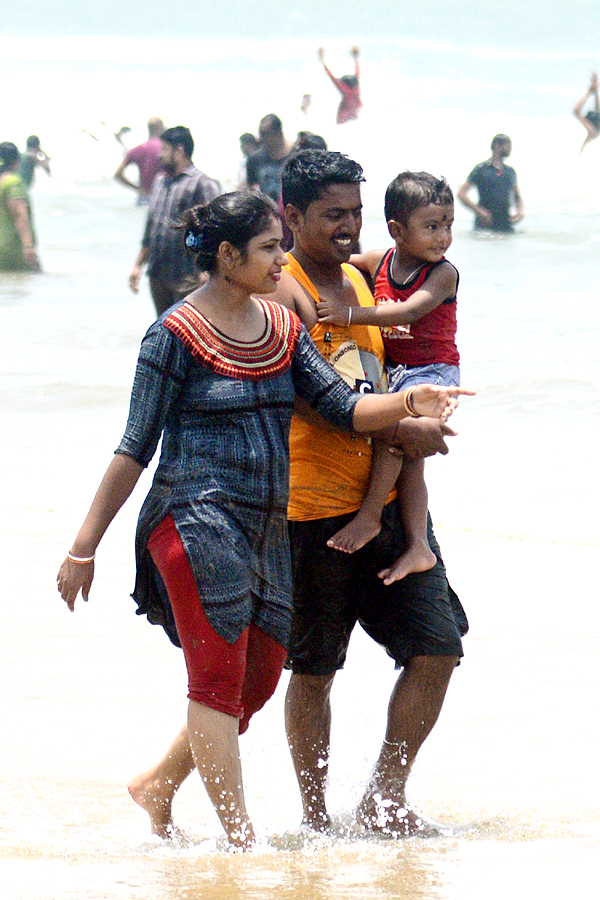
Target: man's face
[(329, 229), (169, 157), (269, 138), (505, 149)]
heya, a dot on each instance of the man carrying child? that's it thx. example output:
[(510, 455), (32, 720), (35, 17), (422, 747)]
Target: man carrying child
[(418, 619)]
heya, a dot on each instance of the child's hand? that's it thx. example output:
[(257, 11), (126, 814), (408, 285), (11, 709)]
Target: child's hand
[(333, 311), (436, 401)]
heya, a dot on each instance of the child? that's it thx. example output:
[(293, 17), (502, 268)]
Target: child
[(415, 306)]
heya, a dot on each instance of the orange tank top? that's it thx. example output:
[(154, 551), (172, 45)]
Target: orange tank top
[(329, 471)]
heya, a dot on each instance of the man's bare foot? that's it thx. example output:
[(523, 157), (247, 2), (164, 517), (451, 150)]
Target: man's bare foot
[(416, 559), (316, 821), (156, 798), (358, 532), (240, 834), (390, 819)]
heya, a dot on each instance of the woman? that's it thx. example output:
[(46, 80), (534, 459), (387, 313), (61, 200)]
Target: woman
[(17, 236), (217, 377)]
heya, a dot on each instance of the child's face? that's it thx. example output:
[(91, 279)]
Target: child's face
[(428, 233)]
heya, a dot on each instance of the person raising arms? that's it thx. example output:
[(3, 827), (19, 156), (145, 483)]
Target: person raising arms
[(591, 119)]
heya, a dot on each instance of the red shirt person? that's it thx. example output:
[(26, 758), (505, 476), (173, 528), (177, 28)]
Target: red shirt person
[(348, 86)]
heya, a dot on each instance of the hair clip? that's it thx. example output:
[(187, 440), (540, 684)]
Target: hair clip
[(192, 241)]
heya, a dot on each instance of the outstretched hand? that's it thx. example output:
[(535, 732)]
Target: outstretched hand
[(72, 578), (436, 401), (332, 310)]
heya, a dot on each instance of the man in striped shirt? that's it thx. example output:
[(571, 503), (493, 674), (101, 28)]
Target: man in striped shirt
[(179, 187)]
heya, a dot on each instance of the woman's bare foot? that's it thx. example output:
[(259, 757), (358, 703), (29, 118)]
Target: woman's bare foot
[(358, 532), (156, 798), (417, 558)]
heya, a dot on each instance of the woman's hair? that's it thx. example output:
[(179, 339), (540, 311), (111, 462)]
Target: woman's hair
[(9, 155), (411, 190), (236, 218)]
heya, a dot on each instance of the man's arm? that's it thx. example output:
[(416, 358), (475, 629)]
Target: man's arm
[(138, 268), (43, 160), (520, 209), (480, 211), (122, 178)]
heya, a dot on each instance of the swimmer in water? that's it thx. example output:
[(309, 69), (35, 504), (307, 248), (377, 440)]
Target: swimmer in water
[(348, 86), (591, 119)]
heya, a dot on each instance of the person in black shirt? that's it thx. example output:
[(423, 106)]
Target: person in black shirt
[(499, 205)]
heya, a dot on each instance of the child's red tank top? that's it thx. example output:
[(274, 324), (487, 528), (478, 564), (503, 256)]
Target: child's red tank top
[(431, 339)]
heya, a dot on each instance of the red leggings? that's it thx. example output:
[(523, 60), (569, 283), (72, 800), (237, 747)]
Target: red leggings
[(236, 679)]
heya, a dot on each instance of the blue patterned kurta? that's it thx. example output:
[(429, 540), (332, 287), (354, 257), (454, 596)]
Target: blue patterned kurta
[(224, 467)]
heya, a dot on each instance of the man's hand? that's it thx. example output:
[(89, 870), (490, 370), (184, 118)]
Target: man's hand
[(484, 214), (421, 437), (134, 279)]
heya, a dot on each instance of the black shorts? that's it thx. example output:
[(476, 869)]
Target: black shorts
[(419, 615)]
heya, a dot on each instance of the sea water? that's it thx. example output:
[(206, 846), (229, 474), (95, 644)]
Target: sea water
[(90, 699)]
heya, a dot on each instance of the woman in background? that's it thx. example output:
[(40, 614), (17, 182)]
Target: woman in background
[(17, 235)]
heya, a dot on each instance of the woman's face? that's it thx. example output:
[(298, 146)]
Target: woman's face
[(258, 268)]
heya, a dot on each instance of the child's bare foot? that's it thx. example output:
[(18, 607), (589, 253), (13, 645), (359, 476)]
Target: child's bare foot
[(156, 798), (416, 559), (358, 532)]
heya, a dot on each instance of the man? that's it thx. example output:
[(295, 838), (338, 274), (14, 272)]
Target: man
[(418, 620), (499, 204), (146, 157), (263, 168), (178, 188), (33, 157)]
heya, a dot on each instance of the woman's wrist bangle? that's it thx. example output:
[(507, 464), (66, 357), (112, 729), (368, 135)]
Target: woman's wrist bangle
[(349, 317), (81, 560), (408, 402)]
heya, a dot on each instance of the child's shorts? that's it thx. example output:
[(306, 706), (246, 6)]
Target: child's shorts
[(402, 377)]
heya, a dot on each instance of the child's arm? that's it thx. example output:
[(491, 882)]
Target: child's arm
[(439, 286)]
